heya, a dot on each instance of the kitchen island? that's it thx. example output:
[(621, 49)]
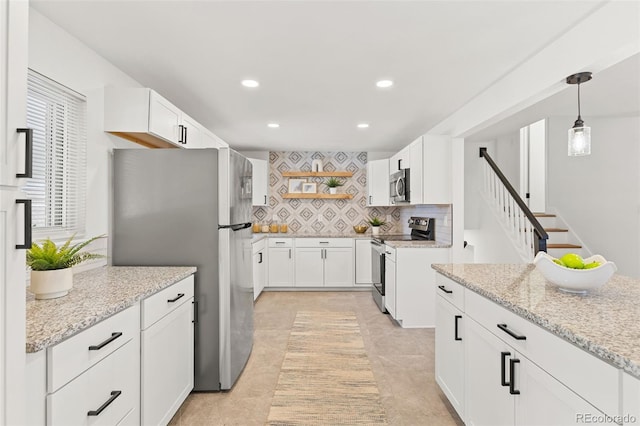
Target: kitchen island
[(542, 354)]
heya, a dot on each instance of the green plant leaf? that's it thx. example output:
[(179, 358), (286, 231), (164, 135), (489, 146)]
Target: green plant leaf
[(48, 256)]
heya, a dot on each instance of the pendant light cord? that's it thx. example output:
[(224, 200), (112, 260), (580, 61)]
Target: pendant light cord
[(579, 118)]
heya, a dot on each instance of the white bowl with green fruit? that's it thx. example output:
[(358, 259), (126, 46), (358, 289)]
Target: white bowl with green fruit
[(572, 273)]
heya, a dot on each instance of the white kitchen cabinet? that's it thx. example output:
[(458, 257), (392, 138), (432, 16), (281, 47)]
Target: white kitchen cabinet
[(415, 285), (363, 261), (260, 182), (94, 376), (390, 280), (416, 178), (324, 262), (167, 352), (14, 50), (503, 387), (449, 351), (144, 116), (436, 170), (259, 267), (400, 160), (378, 183), (280, 261), (209, 140), (630, 399)]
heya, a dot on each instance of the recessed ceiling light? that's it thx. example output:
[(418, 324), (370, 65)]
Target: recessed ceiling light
[(250, 83), (363, 125), (273, 125), (384, 83)]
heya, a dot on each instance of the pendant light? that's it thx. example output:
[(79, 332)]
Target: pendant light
[(579, 135)]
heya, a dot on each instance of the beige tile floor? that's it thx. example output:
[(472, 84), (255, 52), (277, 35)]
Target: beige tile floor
[(402, 361)]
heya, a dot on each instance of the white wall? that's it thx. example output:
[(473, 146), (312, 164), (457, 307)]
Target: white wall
[(56, 54), (599, 195)]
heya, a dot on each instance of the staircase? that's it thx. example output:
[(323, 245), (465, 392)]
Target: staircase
[(561, 240)]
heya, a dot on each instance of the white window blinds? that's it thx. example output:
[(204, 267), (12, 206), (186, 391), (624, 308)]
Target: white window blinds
[(57, 116)]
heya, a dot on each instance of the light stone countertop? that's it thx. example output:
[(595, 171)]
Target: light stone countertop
[(603, 322), (96, 295), (417, 244)]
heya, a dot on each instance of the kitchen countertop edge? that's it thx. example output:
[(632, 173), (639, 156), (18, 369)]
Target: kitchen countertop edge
[(43, 333), (582, 342)]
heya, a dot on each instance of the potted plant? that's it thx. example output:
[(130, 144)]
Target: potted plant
[(333, 183), (376, 223), (51, 274)]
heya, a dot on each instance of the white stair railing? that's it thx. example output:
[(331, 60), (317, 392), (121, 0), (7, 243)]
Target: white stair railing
[(524, 230)]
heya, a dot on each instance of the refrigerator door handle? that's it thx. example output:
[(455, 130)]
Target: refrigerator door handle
[(240, 226)]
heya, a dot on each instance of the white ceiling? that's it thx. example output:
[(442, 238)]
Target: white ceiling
[(318, 61)]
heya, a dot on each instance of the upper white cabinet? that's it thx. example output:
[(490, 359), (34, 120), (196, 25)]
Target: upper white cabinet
[(436, 169), (143, 116), (260, 182), (401, 160), (378, 183), (416, 177)]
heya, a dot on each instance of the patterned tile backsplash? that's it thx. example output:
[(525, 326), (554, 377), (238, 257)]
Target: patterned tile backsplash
[(306, 216)]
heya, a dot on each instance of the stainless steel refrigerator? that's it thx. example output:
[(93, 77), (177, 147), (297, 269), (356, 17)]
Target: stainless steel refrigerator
[(175, 207)]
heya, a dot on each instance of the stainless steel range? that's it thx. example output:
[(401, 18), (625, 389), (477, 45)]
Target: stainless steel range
[(422, 229)]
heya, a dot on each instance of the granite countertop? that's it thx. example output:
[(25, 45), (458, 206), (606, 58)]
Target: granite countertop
[(603, 322), (96, 294), (417, 244)]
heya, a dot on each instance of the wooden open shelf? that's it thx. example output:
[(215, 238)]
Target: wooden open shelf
[(317, 174), (300, 195)]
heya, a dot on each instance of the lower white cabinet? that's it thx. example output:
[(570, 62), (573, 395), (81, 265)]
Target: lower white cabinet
[(323, 262), (259, 267), (167, 352), (280, 261), (450, 356), (363, 261), (390, 281)]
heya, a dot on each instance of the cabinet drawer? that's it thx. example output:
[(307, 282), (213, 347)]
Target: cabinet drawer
[(324, 242), (160, 304), (280, 242), (588, 376), (390, 253), (450, 291), (93, 389), (71, 357)]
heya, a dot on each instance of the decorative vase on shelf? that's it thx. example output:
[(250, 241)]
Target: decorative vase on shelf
[(375, 230), (333, 190), (316, 166)]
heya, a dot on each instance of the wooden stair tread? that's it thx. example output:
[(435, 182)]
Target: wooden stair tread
[(562, 245), (556, 230), (544, 215)]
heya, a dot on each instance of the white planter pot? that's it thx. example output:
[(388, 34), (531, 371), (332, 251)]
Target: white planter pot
[(375, 230), (51, 284), (333, 190)]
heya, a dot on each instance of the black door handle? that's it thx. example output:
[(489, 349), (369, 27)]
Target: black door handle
[(186, 134), (114, 395), (265, 200), (504, 328), (441, 287), (113, 337), (175, 299), (455, 331), (503, 366), (512, 377), (260, 257), (28, 156), (27, 225), (181, 140), (399, 161)]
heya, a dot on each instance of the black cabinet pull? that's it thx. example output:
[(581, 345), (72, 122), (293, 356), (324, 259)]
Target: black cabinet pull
[(28, 155), (181, 140), (512, 376), (455, 331), (259, 257), (441, 287), (399, 162), (186, 134), (504, 328), (114, 395), (27, 225), (265, 200), (195, 312), (370, 198), (113, 337), (503, 366), (179, 296)]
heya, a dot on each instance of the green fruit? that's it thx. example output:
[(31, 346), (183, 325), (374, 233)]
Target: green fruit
[(573, 260), (592, 265), (559, 262)]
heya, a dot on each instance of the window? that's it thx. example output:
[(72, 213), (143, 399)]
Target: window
[(57, 116)]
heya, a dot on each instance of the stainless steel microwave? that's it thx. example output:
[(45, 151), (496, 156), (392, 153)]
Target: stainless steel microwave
[(399, 187)]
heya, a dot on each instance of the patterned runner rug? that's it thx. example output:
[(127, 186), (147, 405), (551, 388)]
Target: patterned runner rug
[(326, 377)]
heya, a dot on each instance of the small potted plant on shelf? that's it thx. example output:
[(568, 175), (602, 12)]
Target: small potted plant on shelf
[(51, 274), (376, 223), (333, 183)]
